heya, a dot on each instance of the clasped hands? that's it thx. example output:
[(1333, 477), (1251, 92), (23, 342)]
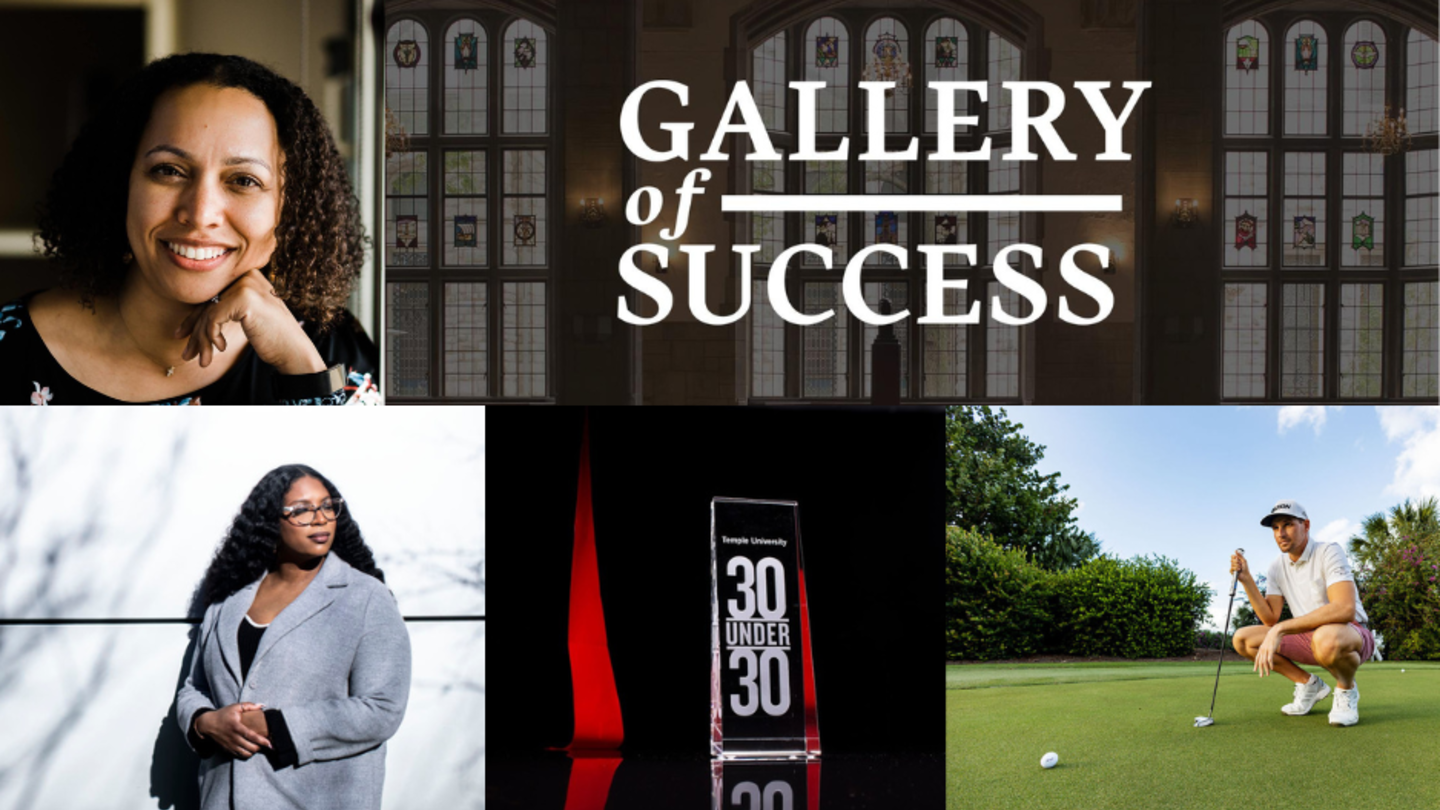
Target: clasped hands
[(239, 728)]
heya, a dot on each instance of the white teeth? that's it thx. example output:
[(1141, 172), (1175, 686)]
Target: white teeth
[(197, 254)]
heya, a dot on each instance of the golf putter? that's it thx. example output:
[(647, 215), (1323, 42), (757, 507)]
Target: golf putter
[(1201, 722)]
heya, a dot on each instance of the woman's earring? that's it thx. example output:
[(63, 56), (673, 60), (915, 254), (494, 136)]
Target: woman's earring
[(127, 257)]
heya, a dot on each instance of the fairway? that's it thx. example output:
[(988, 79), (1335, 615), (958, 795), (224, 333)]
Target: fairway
[(1125, 736)]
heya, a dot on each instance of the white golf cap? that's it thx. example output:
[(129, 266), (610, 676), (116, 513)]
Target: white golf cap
[(1284, 507)]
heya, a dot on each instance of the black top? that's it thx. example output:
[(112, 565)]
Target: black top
[(249, 640), (283, 754), (29, 373)]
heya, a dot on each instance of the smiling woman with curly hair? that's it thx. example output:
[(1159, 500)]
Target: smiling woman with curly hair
[(302, 657), (207, 238)]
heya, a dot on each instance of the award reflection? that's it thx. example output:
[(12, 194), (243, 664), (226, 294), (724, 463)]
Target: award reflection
[(765, 785)]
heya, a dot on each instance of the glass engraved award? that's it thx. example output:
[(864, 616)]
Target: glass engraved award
[(762, 680)]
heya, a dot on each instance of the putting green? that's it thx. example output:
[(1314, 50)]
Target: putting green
[(1126, 738)]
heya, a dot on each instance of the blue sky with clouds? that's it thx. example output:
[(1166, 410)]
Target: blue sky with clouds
[(1193, 483)]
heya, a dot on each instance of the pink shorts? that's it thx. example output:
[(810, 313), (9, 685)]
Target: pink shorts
[(1298, 648)]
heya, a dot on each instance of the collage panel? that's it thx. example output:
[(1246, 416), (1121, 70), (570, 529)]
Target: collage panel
[(292, 611), (1117, 578), (800, 607)]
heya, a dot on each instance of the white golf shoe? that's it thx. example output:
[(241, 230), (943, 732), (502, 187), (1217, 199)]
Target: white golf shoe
[(1306, 696), (1346, 711)]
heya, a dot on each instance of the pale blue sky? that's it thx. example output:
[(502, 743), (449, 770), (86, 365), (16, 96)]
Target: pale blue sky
[(1193, 483)]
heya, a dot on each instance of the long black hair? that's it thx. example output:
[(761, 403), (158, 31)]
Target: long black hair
[(249, 548)]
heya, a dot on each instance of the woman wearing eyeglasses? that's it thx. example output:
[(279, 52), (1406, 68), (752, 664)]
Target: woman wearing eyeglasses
[(301, 668)]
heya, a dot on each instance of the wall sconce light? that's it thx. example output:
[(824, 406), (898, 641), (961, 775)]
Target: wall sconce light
[(1185, 214), (592, 211)]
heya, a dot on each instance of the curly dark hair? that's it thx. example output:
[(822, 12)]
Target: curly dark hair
[(319, 241), (249, 547)]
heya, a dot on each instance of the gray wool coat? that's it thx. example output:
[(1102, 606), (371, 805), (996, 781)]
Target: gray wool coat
[(336, 663)]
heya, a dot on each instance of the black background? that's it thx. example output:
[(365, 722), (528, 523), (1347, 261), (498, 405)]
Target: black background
[(870, 487)]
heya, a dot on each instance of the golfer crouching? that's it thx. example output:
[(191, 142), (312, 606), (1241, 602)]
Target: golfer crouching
[(1328, 628)]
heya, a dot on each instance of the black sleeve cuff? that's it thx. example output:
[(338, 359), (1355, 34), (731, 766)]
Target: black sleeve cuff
[(319, 388), (282, 752), (203, 746)]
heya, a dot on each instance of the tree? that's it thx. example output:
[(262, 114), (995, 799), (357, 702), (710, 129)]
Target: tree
[(1379, 536), (993, 488)]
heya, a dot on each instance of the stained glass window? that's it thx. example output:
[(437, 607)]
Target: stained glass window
[(1247, 79), (1004, 226), (1362, 211), (1302, 341), (768, 81), (407, 75), (523, 355), (465, 228), (848, 45), (1365, 59), (826, 228), (1421, 210), (407, 215), (1245, 236), (467, 332), (1244, 341), (407, 339), (1002, 349), (898, 292), (946, 227), (1420, 358), (1306, 46), (525, 74), (947, 53), (1332, 212), (1362, 339), (466, 69), (523, 230), (1420, 84), (887, 58), (886, 177), (825, 366), (1004, 67), (767, 336), (945, 357), (1304, 242), (827, 59), (767, 228)]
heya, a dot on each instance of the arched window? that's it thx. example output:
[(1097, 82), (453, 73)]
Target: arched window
[(1305, 78), (1247, 79), (468, 202), (407, 75), (527, 67), (831, 359), (466, 66), (829, 62), (1364, 54), (1318, 301)]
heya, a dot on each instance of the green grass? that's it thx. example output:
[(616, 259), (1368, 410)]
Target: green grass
[(1126, 739)]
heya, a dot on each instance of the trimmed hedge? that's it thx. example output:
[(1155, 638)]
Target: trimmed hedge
[(998, 605)]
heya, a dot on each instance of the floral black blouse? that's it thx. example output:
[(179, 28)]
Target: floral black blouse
[(29, 373)]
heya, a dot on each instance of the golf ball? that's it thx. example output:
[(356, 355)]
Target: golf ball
[(1049, 760)]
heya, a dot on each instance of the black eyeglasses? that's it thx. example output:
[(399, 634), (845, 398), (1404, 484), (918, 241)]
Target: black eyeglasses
[(303, 514)]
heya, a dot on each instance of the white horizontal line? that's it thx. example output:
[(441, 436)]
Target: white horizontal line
[(919, 202), (753, 647)]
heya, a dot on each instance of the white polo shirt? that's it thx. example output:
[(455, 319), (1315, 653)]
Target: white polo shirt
[(1303, 582)]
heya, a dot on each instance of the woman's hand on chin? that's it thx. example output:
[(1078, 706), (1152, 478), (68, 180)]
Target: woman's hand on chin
[(269, 326)]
